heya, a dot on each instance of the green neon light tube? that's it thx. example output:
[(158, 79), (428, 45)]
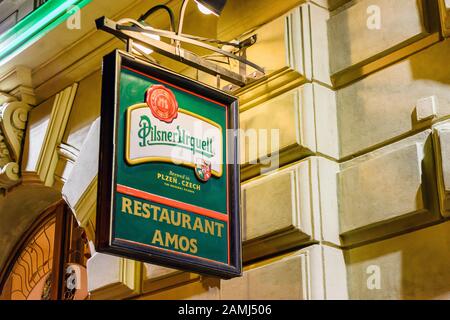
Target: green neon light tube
[(35, 26)]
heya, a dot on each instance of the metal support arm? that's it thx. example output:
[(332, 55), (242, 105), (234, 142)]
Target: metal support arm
[(134, 32)]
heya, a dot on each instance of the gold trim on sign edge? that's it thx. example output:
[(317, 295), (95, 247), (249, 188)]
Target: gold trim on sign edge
[(162, 159)]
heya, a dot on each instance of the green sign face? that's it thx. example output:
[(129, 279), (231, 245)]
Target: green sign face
[(169, 175)]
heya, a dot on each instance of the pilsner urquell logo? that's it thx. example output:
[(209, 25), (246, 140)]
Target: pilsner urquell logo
[(167, 127), (151, 135)]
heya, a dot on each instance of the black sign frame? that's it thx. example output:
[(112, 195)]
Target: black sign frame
[(104, 241)]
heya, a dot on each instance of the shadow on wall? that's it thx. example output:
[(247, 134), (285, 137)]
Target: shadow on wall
[(432, 64), (205, 289), (86, 108), (412, 266), (382, 107), (372, 113)]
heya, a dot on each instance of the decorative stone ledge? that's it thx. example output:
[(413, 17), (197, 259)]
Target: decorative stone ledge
[(314, 273), (304, 120), (369, 35), (156, 278), (18, 83), (291, 207), (388, 191)]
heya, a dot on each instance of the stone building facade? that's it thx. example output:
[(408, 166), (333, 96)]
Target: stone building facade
[(359, 92)]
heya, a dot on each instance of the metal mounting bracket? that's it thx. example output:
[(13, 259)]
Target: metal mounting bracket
[(131, 31)]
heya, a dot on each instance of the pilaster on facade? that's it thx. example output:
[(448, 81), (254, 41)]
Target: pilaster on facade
[(47, 125), (67, 157), (444, 8), (80, 189), (441, 143)]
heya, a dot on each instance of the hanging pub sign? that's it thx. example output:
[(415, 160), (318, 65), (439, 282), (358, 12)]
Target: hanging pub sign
[(168, 186)]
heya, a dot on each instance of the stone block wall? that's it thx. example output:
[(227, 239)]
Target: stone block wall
[(358, 94), (351, 199)]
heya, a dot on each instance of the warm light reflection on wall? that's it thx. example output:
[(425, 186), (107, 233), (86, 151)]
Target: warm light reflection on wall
[(30, 278)]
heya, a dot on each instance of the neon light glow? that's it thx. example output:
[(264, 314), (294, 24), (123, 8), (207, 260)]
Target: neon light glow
[(35, 26)]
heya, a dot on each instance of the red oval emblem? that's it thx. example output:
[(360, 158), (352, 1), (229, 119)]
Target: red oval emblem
[(162, 103)]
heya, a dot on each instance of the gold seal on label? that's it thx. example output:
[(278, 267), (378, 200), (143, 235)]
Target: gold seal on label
[(162, 103)]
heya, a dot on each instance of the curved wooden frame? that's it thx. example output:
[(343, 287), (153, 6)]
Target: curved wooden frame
[(41, 220)]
